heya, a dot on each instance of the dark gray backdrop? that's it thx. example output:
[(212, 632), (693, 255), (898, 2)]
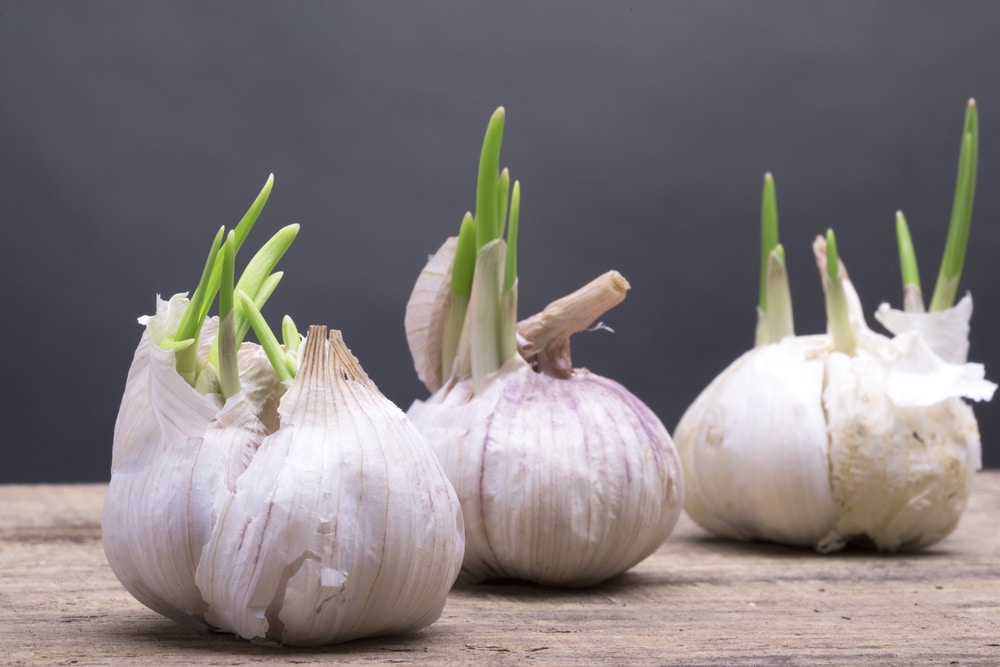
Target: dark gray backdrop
[(640, 131)]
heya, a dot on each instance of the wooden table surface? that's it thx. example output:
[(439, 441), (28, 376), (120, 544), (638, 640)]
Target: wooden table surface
[(697, 601)]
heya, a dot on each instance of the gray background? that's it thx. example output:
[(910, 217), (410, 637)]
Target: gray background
[(640, 132)]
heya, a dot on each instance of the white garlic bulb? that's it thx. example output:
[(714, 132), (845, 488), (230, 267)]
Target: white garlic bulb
[(848, 436), (565, 477), (800, 444), (302, 508)]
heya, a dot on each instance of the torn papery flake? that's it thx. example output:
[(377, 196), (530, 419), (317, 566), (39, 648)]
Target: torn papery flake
[(920, 377), (945, 331), (167, 318), (601, 326)]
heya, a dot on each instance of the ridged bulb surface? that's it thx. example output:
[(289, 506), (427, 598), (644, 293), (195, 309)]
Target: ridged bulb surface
[(563, 481), (343, 526)]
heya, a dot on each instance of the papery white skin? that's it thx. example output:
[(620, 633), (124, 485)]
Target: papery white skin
[(174, 451), (343, 525), (944, 331), (799, 444), (563, 481)]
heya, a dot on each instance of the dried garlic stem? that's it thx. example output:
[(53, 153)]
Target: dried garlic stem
[(546, 334)]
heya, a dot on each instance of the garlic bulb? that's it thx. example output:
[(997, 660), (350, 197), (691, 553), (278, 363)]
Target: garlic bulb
[(800, 444), (851, 435), (565, 477), (276, 497)]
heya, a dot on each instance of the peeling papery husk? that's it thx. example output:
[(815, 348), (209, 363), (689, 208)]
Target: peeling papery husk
[(945, 331), (798, 444), (563, 482), (424, 321), (174, 451), (310, 516)]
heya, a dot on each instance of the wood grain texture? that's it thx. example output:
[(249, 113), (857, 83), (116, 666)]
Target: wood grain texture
[(697, 601)]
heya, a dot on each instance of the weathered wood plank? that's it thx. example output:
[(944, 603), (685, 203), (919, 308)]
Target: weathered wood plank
[(698, 600)]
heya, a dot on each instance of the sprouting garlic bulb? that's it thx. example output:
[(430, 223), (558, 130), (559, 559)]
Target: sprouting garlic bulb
[(342, 526), (321, 520), (800, 444), (269, 493), (563, 481), (822, 440), (852, 435), (565, 477)]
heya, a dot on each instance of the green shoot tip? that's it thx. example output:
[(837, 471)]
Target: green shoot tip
[(907, 254), (487, 225), (832, 258), (768, 234), (464, 264), (290, 334), (837, 311), (779, 250), (957, 241), (510, 268)]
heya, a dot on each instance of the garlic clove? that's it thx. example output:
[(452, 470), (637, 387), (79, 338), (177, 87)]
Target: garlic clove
[(165, 465), (900, 474), (754, 447), (172, 447), (342, 526), (158, 409)]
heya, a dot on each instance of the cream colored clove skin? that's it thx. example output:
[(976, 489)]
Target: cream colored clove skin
[(271, 490), (823, 440), (565, 477)]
